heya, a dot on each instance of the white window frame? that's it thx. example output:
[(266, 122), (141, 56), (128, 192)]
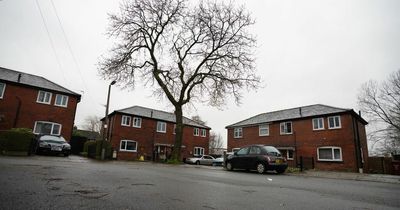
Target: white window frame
[(174, 131), (203, 132), (137, 122), (63, 96), (319, 119), (198, 149), (125, 118), (284, 131), (161, 127), (52, 127), (2, 91), (196, 131), (333, 154), (45, 93), (287, 154), (126, 143), (334, 121), (266, 127), (238, 133)]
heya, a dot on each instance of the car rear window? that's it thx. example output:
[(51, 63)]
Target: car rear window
[(272, 151)]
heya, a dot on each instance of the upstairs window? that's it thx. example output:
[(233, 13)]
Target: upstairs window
[(126, 120), (2, 89), (286, 128), (203, 132), (195, 132), (61, 100), (50, 128), (44, 97), (334, 122), (263, 130), (330, 154), (237, 132), (161, 127), (137, 122), (318, 123)]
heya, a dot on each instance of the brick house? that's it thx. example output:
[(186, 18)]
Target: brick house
[(30, 101), (334, 137), (138, 131)]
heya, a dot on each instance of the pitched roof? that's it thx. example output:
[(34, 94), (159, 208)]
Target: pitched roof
[(158, 115), (32, 80), (293, 113)]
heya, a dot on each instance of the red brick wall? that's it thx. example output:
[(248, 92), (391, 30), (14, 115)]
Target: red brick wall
[(146, 135), (31, 111), (308, 140)]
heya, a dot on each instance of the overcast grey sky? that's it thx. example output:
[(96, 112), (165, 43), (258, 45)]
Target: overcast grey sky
[(308, 52)]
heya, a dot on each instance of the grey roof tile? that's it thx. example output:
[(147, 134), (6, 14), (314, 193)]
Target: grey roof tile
[(290, 114), (32, 80), (157, 114)]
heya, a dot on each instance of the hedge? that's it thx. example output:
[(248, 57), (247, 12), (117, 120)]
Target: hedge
[(93, 149), (16, 140)]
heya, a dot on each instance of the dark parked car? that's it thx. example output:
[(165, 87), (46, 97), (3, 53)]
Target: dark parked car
[(53, 145), (257, 157)]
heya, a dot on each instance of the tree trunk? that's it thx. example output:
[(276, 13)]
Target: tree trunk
[(176, 153)]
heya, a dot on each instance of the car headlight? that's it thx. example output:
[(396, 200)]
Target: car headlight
[(67, 146), (44, 144)]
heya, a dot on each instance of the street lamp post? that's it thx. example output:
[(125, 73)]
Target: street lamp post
[(103, 150)]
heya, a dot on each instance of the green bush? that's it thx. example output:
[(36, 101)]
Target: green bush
[(16, 140), (93, 149)]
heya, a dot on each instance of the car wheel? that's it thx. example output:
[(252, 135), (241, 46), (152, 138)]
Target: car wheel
[(280, 171), (66, 154), (197, 162), (229, 166), (260, 168)]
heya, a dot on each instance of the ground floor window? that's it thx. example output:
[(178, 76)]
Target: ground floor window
[(289, 154), (198, 151), (329, 154), (50, 128), (128, 146)]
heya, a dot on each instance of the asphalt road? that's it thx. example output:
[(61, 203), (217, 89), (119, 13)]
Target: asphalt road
[(45, 182)]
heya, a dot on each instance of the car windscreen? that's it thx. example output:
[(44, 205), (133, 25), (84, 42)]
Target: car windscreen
[(272, 151), (53, 139)]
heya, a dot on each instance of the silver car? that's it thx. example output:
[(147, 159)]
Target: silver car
[(203, 160)]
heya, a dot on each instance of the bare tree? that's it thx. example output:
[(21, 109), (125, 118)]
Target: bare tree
[(216, 142), (194, 53), (92, 123), (381, 104), (198, 119)]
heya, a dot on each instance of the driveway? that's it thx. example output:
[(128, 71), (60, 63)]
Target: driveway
[(45, 182)]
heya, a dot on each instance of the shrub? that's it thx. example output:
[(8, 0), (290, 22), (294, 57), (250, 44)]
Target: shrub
[(93, 149), (16, 140)]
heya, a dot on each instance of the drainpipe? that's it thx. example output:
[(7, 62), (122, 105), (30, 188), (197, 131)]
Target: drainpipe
[(357, 145), (18, 111)]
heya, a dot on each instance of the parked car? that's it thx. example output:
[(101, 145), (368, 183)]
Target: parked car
[(53, 145), (218, 161), (203, 160), (257, 157)]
